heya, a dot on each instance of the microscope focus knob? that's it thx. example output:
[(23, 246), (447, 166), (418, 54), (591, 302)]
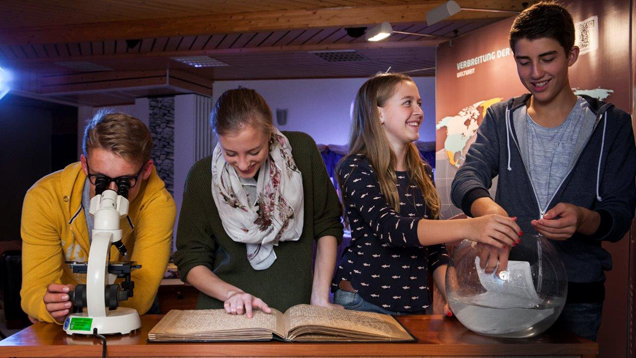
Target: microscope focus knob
[(78, 297), (112, 296)]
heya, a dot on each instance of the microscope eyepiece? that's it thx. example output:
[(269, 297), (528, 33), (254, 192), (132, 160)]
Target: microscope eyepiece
[(101, 183), (123, 186)]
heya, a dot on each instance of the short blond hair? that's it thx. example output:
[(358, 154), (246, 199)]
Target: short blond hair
[(119, 133)]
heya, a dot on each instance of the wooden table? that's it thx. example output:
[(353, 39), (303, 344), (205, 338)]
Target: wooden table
[(437, 336)]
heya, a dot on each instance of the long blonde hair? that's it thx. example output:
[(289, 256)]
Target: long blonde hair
[(369, 139)]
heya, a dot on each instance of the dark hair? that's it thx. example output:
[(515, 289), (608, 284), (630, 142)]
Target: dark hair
[(119, 133), (238, 108), (541, 20)]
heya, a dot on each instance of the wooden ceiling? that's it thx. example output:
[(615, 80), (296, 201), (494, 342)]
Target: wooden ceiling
[(134, 41)]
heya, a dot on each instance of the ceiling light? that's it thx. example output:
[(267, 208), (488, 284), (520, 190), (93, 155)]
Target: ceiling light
[(442, 12), (384, 30), (379, 32), (450, 8), (200, 61)]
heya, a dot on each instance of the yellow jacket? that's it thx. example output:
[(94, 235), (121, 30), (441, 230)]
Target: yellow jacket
[(54, 230)]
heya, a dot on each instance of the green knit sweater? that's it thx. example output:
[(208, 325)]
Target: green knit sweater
[(201, 239)]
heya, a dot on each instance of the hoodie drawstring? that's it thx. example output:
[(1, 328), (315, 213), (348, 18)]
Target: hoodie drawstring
[(598, 171), (508, 135)]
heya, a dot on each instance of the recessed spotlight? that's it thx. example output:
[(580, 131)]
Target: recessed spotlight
[(200, 61)]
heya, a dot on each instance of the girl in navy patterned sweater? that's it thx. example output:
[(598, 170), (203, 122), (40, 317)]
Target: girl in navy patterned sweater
[(392, 206)]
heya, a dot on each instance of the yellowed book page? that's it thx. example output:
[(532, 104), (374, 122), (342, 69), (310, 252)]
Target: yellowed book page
[(165, 322), (218, 320), (338, 320)]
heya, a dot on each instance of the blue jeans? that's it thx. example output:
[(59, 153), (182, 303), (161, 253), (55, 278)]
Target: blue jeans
[(353, 301), (582, 319)]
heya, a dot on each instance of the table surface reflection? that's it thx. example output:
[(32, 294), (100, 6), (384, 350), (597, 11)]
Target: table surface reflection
[(436, 336)]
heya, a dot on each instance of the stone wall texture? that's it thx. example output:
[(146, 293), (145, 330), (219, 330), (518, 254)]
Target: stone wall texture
[(161, 120)]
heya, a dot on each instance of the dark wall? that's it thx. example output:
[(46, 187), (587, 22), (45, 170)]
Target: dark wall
[(36, 138)]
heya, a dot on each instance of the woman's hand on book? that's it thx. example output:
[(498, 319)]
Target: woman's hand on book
[(239, 302)]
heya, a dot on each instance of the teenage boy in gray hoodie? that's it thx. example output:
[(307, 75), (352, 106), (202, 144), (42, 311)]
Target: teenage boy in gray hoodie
[(566, 165)]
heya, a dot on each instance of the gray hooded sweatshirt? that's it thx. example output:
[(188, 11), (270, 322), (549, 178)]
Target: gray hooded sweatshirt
[(599, 178)]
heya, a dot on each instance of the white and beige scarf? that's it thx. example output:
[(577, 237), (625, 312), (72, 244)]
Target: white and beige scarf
[(279, 210)]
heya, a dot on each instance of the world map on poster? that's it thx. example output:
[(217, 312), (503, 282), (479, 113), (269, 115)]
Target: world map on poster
[(462, 127)]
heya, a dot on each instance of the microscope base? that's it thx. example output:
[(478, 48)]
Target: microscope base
[(122, 320)]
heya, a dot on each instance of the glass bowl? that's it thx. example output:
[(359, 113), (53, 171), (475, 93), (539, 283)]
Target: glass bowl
[(522, 301)]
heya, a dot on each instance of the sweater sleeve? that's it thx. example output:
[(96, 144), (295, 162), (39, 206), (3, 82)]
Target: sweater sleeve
[(153, 243), (617, 188), (474, 178), (326, 206), (42, 257), (437, 254), (195, 241), (361, 192)]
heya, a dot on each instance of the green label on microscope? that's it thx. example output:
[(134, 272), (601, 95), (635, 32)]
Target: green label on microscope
[(81, 324)]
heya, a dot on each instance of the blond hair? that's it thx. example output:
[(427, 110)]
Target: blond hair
[(119, 133), (369, 139)]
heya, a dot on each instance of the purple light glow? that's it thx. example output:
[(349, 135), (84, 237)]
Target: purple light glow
[(5, 80)]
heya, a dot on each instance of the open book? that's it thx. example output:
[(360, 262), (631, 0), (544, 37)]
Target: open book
[(301, 323)]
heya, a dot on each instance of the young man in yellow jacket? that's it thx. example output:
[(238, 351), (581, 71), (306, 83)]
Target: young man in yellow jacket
[(56, 226)]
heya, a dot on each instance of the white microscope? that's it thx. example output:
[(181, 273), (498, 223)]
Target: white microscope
[(101, 295)]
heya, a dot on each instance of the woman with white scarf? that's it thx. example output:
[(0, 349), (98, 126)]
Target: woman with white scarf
[(252, 211)]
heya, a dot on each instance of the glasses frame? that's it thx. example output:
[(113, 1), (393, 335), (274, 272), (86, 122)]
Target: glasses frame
[(132, 180)]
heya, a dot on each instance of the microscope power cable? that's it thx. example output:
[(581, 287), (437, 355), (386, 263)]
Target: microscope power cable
[(103, 339)]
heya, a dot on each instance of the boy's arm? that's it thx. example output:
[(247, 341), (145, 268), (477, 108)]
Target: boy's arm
[(617, 189), (469, 190), (151, 250), (42, 256), (474, 178), (486, 206)]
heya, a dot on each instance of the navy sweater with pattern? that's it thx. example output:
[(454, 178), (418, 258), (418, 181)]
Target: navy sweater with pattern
[(385, 261)]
